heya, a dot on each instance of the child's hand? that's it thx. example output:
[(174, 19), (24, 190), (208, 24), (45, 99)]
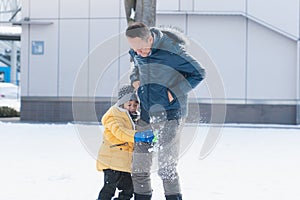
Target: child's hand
[(144, 136)]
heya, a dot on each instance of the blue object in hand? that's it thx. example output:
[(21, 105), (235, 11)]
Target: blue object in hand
[(144, 136)]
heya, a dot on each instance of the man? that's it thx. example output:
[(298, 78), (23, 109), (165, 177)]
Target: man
[(163, 74)]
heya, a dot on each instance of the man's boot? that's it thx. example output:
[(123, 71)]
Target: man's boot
[(142, 197), (174, 197)]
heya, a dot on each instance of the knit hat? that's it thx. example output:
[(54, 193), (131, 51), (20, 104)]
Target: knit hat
[(126, 93)]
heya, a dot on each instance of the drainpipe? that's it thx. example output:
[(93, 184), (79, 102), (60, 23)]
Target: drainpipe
[(298, 84), (13, 63)]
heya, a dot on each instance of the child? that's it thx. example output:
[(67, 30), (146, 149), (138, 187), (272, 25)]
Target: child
[(115, 153)]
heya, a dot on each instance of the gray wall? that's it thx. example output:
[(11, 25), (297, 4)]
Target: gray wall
[(254, 45)]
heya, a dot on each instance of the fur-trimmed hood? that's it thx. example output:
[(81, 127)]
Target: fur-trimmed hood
[(175, 33), (164, 36)]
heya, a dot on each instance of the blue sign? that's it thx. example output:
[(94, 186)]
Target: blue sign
[(37, 47), (4, 74)]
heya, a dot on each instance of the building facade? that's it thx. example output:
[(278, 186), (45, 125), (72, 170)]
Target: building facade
[(74, 57)]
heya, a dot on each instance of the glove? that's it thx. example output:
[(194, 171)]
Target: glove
[(144, 136)]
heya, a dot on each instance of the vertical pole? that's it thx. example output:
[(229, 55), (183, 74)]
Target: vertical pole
[(298, 85), (298, 76), (13, 63)]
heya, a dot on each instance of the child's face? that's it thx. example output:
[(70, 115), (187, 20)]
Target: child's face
[(131, 106)]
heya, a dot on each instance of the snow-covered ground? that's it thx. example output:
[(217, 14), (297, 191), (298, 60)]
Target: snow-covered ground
[(10, 95), (55, 162)]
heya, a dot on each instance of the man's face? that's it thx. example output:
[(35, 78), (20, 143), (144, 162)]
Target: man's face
[(140, 46)]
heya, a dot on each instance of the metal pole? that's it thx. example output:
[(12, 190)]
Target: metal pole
[(13, 63)]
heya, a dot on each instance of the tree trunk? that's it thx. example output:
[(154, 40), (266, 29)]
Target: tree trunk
[(145, 11), (129, 8)]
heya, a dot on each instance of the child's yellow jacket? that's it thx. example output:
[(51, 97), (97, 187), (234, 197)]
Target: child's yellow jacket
[(118, 138)]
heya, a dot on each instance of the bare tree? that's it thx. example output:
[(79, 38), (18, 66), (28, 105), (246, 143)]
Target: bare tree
[(130, 6), (141, 11)]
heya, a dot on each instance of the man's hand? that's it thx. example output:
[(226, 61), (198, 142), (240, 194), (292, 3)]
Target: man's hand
[(170, 96), (136, 84)]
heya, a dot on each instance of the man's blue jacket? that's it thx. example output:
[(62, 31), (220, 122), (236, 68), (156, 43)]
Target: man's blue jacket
[(167, 68)]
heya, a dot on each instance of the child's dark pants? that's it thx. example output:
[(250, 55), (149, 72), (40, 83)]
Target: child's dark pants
[(116, 179)]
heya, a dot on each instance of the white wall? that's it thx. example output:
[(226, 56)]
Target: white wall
[(272, 65), (256, 63), (220, 5), (282, 14), (43, 69), (224, 40), (73, 49), (77, 28)]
